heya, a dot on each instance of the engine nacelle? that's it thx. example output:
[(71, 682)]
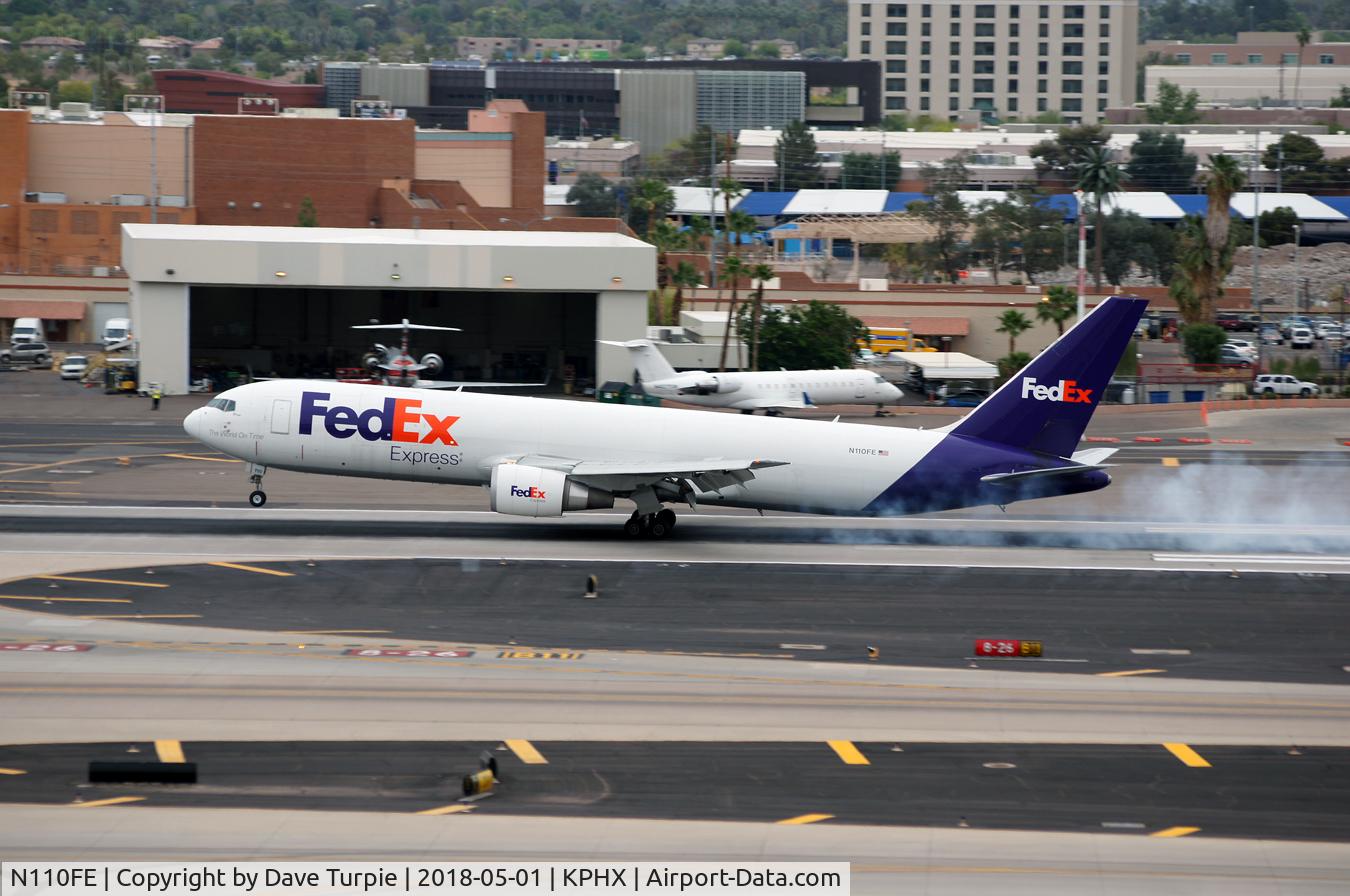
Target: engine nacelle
[(712, 385), (522, 490), (433, 363)]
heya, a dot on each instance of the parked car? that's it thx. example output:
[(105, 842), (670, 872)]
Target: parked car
[(1301, 337), (74, 367), (966, 399), (1245, 346), (1271, 335), (1231, 357), (1326, 329), (1282, 384), (35, 353)]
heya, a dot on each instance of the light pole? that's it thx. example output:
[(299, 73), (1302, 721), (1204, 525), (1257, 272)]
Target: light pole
[(1298, 284), (1082, 251)]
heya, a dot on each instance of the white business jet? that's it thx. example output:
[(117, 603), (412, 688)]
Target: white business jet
[(541, 457), (771, 391)]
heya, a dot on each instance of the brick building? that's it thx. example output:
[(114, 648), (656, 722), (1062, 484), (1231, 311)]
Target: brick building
[(219, 93)]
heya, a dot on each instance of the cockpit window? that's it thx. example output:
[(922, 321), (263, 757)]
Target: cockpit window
[(223, 404), (880, 379)]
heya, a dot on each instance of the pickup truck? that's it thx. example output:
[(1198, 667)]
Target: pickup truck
[(1281, 384), (35, 353)]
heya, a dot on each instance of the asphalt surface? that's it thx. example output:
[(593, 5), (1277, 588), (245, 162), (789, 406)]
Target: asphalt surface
[(1125, 789), (1272, 627)]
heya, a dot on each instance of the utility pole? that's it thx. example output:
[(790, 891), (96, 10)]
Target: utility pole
[(1298, 284), (1082, 251), (712, 207), (1256, 236), (1279, 167)]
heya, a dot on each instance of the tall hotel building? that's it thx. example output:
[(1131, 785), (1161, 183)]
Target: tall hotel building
[(1000, 60)]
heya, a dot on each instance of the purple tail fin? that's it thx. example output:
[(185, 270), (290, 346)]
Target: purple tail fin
[(1045, 408)]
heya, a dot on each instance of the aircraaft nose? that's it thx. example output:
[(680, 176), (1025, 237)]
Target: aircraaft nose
[(193, 425)]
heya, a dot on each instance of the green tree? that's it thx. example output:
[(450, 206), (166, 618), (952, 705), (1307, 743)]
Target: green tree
[(1205, 252), (739, 226), (1303, 37), (1342, 99), (796, 154), (700, 231), (995, 237), (1172, 106), (1099, 175), (732, 48), (818, 337), (1058, 306), (685, 276), (759, 273), (945, 215), (666, 237), (1131, 241), (1159, 161), (1009, 365), (733, 269), (1202, 342), (593, 196), (75, 92), (869, 171), (766, 50), (1014, 323), (1300, 161), (1277, 228), (1064, 155), (649, 202), (306, 216)]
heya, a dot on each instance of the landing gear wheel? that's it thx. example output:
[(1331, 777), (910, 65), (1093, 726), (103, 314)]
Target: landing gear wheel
[(657, 528), (633, 527), (257, 498), (666, 517)]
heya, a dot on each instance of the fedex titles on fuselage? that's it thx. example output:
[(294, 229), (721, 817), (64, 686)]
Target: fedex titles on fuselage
[(396, 420)]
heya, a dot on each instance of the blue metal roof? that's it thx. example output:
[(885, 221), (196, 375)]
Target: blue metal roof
[(1339, 203), (1061, 202), (898, 202), (766, 204), (1191, 203)]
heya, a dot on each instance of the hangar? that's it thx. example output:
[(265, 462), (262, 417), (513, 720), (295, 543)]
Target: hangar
[(282, 300)]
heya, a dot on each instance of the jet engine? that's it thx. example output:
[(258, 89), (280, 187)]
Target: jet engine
[(523, 490), (433, 363), (711, 385)]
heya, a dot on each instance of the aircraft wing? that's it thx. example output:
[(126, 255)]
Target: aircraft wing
[(476, 384), (764, 404), (672, 477)]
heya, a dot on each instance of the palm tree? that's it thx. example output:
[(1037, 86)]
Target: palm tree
[(1303, 37), (740, 224), (666, 237), (1100, 176), (700, 231), (760, 273), (685, 276), (732, 269), (730, 188), (654, 199), (1014, 323), (1057, 305), (1221, 181)]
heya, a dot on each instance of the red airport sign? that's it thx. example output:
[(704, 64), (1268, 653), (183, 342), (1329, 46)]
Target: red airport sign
[(379, 651), (48, 648), (1008, 647)]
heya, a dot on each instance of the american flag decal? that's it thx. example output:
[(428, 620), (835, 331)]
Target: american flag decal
[(884, 453)]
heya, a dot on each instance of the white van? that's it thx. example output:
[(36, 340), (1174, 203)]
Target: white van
[(26, 329), (117, 329), (1300, 337)]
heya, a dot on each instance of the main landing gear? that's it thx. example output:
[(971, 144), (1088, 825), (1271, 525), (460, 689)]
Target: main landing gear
[(650, 525), (257, 497)]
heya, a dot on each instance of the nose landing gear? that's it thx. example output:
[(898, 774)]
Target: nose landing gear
[(650, 525), (257, 497)]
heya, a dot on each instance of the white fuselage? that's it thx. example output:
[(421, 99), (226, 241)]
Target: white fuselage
[(458, 437), (774, 388)]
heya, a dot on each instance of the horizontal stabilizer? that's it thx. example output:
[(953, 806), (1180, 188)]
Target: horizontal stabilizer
[(1043, 473), (1092, 455)]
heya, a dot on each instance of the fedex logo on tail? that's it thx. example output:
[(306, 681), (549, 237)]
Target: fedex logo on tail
[(534, 494), (1067, 391), (396, 420)]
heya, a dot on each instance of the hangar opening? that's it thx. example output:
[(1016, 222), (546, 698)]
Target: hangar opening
[(307, 332), (225, 302)]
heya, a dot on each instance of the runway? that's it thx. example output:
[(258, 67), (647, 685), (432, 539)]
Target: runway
[(696, 701)]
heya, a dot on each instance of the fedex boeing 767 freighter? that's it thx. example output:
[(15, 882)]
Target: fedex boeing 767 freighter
[(542, 457)]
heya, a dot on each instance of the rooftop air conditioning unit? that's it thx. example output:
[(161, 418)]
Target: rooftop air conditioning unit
[(173, 201), (873, 284), (129, 199), (46, 198), (76, 110)]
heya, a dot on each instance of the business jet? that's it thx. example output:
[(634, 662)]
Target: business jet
[(767, 390), (394, 365), (543, 458)]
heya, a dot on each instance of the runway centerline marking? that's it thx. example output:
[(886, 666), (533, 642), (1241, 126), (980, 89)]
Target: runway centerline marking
[(102, 581), (169, 751), (68, 600), (1159, 651), (1171, 462), (447, 810), (1187, 755), (1128, 672), (848, 752), (806, 819), (214, 460), (526, 752), (111, 801), (145, 616), (1180, 831), (247, 568)]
